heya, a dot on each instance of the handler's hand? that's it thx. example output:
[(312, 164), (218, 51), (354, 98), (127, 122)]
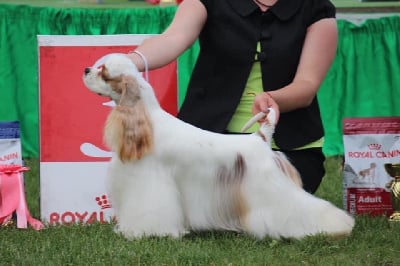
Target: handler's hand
[(262, 102)]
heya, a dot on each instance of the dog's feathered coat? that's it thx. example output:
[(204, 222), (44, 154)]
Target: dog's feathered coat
[(168, 177)]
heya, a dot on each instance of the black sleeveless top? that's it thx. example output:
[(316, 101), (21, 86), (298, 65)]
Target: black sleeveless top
[(228, 44)]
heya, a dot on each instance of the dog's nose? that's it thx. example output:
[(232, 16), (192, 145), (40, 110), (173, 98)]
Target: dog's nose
[(87, 70)]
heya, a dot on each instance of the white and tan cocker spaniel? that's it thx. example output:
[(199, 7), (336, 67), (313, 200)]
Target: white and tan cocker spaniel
[(168, 177)]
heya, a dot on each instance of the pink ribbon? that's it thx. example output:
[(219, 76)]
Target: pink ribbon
[(153, 2), (12, 197), (156, 2)]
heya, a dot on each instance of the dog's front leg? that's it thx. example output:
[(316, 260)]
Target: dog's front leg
[(147, 203)]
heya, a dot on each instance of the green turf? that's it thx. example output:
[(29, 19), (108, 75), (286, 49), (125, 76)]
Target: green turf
[(374, 241)]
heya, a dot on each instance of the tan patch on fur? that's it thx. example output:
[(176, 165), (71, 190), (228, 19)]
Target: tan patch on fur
[(287, 168), (230, 183)]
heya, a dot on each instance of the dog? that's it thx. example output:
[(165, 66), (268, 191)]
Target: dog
[(167, 177), (367, 175)]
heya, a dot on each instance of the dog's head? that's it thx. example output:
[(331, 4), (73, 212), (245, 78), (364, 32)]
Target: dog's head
[(128, 131), (107, 76)]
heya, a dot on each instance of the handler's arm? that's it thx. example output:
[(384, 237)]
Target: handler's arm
[(180, 35), (318, 52)]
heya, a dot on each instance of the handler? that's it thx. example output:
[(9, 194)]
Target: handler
[(254, 54)]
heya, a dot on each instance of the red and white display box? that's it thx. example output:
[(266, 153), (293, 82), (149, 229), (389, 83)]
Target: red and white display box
[(73, 158)]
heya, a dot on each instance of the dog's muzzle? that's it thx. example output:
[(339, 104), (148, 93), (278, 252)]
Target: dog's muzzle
[(87, 70)]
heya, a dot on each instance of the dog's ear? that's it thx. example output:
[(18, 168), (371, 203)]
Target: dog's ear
[(129, 130), (117, 83)]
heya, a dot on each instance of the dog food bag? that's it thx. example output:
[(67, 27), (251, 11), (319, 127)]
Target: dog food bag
[(369, 143), (10, 143)]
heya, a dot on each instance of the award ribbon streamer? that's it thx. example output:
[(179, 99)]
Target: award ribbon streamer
[(12, 197)]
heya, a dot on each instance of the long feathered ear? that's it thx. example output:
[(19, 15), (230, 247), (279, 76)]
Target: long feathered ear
[(128, 130)]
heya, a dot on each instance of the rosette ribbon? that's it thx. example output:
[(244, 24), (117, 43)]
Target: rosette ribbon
[(156, 2), (12, 197)]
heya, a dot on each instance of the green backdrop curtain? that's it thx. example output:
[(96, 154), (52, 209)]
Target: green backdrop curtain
[(364, 79)]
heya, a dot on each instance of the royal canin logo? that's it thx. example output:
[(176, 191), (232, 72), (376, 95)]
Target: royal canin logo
[(374, 146), (87, 217), (10, 156), (376, 154), (103, 202)]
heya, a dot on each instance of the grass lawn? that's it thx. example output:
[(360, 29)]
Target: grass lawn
[(374, 241)]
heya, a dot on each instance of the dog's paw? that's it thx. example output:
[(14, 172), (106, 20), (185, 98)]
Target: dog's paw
[(135, 233)]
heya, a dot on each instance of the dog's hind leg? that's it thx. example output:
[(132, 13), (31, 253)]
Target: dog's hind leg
[(299, 221), (281, 209)]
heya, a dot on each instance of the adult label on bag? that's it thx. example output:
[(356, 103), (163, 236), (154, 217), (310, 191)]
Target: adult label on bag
[(369, 143)]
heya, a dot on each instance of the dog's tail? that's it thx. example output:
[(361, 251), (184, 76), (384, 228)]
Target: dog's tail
[(267, 128), (266, 131)]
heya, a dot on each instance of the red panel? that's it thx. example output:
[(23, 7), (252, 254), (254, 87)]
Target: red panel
[(70, 114)]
